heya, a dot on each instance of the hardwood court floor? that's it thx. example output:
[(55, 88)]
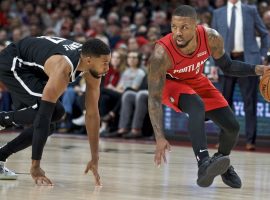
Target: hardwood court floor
[(128, 173)]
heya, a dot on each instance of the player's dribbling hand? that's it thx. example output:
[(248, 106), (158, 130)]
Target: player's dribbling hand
[(93, 166), (266, 69), (38, 175), (161, 147)]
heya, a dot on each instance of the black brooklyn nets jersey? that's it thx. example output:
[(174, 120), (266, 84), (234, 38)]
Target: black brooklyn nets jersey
[(32, 52)]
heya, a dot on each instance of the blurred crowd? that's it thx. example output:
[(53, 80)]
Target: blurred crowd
[(130, 28)]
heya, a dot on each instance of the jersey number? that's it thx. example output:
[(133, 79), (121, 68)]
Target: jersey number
[(55, 40)]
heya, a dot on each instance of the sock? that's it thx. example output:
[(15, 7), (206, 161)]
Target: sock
[(202, 156)]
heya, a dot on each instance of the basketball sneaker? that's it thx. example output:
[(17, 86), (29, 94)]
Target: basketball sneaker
[(5, 173), (6, 122), (231, 178), (3, 117), (212, 167)]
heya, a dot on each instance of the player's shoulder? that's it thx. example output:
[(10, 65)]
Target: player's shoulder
[(159, 51)]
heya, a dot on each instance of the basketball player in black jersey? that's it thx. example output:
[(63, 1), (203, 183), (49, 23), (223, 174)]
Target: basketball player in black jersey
[(37, 71)]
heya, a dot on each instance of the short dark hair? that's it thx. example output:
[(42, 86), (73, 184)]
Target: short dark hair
[(95, 47), (185, 11)]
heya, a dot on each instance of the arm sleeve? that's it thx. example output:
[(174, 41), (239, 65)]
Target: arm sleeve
[(41, 128), (234, 67)]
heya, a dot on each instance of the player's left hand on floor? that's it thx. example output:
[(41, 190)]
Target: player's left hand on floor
[(39, 177), (93, 166)]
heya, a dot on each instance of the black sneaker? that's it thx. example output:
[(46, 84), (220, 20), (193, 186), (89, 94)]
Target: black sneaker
[(231, 178), (5, 121), (212, 167)]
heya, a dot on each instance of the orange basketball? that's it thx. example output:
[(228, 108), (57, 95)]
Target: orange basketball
[(265, 86)]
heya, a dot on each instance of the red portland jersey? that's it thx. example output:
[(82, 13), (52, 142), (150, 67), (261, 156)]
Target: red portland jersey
[(186, 66), (186, 77)]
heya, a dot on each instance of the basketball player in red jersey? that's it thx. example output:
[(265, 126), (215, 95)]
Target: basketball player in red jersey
[(176, 80)]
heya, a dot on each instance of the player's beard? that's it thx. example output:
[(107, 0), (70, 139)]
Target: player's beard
[(94, 73)]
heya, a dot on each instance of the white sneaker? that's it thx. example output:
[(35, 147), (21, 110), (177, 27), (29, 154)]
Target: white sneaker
[(80, 121), (2, 128), (6, 174)]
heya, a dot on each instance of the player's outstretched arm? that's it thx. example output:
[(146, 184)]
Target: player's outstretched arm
[(92, 122), (229, 66), (56, 85), (158, 65)]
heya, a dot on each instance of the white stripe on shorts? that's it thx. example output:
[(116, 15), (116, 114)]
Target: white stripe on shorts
[(20, 80)]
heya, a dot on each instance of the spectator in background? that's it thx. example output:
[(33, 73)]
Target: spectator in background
[(204, 6), (2, 45), (4, 13), (92, 25), (134, 108), (117, 65), (219, 3), (125, 35), (125, 22), (5, 98), (49, 32), (131, 79), (78, 29), (3, 35), (133, 44), (16, 34), (101, 31), (139, 20), (114, 34), (262, 7), (112, 18), (35, 31), (266, 20), (69, 100), (240, 43), (153, 34), (159, 18)]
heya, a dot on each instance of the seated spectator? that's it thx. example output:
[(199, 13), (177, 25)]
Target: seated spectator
[(131, 79), (5, 98), (69, 100), (134, 108), (118, 62)]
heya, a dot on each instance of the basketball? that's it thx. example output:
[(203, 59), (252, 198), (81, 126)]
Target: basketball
[(264, 86)]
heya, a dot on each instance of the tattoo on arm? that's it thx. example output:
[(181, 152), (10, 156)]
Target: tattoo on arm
[(158, 65), (216, 43)]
